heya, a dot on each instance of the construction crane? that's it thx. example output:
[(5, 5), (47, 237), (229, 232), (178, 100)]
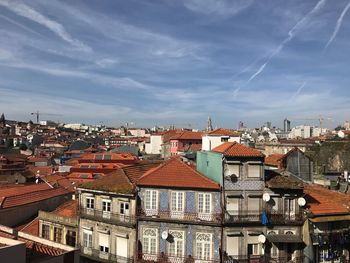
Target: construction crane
[(320, 119), (38, 114)]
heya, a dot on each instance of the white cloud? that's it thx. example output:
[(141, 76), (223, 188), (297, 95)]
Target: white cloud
[(217, 7), (26, 11)]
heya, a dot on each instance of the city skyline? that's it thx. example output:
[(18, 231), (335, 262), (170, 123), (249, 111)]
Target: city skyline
[(167, 62)]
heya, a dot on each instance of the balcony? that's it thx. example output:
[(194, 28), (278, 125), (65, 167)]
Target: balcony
[(287, 218), (108, 217), (274, 217), (164, 258), (236, 217), (99, 256), (161, 215), (262, 259)]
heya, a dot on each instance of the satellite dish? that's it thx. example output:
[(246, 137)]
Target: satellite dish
[(165, 235), (262, 238), (301, 201), (266, 197)]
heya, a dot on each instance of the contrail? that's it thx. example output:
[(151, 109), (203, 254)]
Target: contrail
[(338, 25), (26, 11), (299, 90), (291, 34)]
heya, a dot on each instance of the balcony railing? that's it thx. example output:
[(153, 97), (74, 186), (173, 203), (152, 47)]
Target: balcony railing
[(262, 259), (278, 217), (181, 216), (274, 217), (104, 216), (252, 216), (164, 258), (104, 256)]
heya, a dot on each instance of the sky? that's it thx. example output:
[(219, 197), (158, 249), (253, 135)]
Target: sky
[(163, 62)]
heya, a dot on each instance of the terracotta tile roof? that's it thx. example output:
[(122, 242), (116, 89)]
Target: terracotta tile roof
[(235, 149), (223, 132), (191, 148), (283, 182), (322, 201), (31, 228), (116, 182), (177, 174), (104, 156), (187, 135), (168, 134), (17, 196), (43, 170), (35, 251), (274, 159), (135, 172), (67, 209)]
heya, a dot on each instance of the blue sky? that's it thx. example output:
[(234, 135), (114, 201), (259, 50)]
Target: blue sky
[(162, 62)]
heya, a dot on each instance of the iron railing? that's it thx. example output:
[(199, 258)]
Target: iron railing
[(108, 217), (262, 259), (252, 216), (165, 258), (104, 256), (278, 217), (181, 216)]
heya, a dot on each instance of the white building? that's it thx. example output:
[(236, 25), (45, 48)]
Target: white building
[(155, 144), (217, 137)]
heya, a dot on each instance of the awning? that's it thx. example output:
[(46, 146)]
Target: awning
[(284, 238), (330, 218)]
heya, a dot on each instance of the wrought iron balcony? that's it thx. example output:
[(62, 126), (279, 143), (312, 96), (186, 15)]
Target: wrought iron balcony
[(212, 218), (262, 259), (103, 256), (166, 258), (109, 217), (287, 218), (236, 217)]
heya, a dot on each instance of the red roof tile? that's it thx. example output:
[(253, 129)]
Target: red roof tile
[(322, 201), (223, 132), (177, 174), (67, 209), (17, 196), (235, 149), (187, 135), (31, 228), (274, 159)]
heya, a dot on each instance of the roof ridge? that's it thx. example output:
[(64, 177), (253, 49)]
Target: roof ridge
[(155, 169), (195, 170)]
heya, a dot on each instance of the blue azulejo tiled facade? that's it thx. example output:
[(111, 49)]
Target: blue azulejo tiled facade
[(182, 224)]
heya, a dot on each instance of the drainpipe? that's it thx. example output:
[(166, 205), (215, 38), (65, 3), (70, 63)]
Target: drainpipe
[(223, 208)]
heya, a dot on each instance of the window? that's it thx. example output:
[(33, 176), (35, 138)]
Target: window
[(151, 202), (124, 208), (224, 139), (204, 203), (71, 238), (176, 248), (254, 205), (177, 203), (57, 233), (90, 202), (87, 239), (150, 241), (254, 170), (103, 240), (203, 246), (45, 231), (106, 208), (289, 208)]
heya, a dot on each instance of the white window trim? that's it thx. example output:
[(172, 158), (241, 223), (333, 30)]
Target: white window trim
[(175, 212), (86, 202), (175, 257), (203, 215), (151, 211), (201, 258)]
